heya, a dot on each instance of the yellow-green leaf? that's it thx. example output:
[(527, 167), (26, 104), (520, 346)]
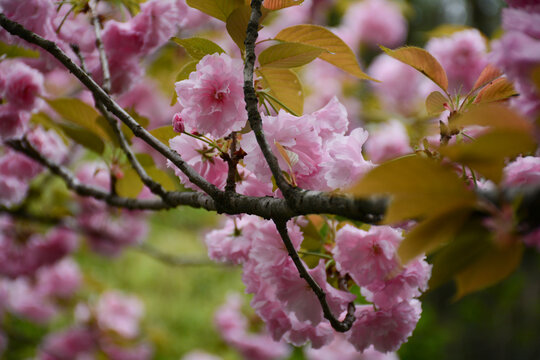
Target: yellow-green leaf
[(83, 137), (338, 53), (169, 183), (77, 112), (422, 61), (487, 75), (417, 186), (12, 51), (489, 268), (432, 233), (285, 86), (129, 185), (280, 4), (436, 103), (237, 23), (220, 9), (493, 115), (164, 133), (499, 89), (198, 48), (487, 154), (289, 55)]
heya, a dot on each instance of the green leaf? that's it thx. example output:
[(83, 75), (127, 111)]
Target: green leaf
[(164, 133), (422, 61), (220, 9), (492, 266), (418, 187), (432, 233), (145, 160), (129, 185), (77, 112), (198, 48), (288, 55), (280, 4), (338, 53), (237, 23), (436, 103), (12, 51), (495, 116), (284, 85), (497, 90), (487, 154), (83, 137), (169, 183), (462, 251)]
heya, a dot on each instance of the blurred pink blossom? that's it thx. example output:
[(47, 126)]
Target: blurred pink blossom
[(389, 141), (119, 313), (522, 171)]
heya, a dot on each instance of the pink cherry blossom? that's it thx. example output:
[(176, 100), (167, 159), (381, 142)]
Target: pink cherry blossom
[(387, 329), (389, 141), (297, 136), (119, 313), (232, 243), (73, 343), (522, 171), (25, 300), (367, 256), (463, 57), (213, 98), (344, 163), (114, 351), (199, 355), (178, 123), (13, 122), (250, 185), (410, 283), (35, 15), (300, 298), (301, 333), (21, 85), (375, 22), (17, 165), (61, 280), (331, 119), (204, 159), (399, 89), (341, 349), (48, 143)]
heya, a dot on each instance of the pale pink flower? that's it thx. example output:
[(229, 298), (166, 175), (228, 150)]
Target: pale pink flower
[(463, 57), (399, 86), (48, 143), (526, 21), (200, 355), (387, 329), (17, 165), (116, 352), (250, 185), (375, 22), (344, 163), (232, 243), (389, 141), (297, 136), (188, 17), (301, 333), (332, 119), (341, 349), (73, 343), (62, 279), (35, 15), (532, 239), (21, 85), (522, 171), (202, 158), (300, 299), (367, 256), (410, 283), (213, 96), (13, 122), (25, 300), (119, 313), (12, 190)]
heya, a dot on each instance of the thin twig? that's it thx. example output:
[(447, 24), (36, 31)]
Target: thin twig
[(341, 326), (232, 162), (101, 49), (173, 260), (250, 96)]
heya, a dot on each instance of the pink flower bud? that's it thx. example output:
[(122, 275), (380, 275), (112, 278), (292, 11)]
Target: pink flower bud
[(178, 123)]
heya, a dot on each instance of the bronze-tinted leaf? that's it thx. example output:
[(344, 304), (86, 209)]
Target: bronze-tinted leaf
[(288, 55), (280, 4), (422, 61), (487, 75), (499, 89), (284, 85), (436, 103), (220, 9)]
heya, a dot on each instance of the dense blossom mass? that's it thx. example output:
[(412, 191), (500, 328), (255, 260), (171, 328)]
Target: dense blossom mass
[(319, 130)]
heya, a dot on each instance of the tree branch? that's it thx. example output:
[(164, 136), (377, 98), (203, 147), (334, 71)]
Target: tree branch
[(254, 117), (100, 48), (18, 30), (341, 326)]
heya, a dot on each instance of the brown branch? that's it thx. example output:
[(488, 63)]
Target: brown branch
[(341, 326), (99, 44), (250, 96), (232, 162)]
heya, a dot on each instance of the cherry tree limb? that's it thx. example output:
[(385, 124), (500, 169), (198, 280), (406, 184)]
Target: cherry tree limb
[(99, 44), (341, 326)]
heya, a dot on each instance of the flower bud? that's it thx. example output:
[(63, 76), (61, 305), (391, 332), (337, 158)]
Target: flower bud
[(178, 123)]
